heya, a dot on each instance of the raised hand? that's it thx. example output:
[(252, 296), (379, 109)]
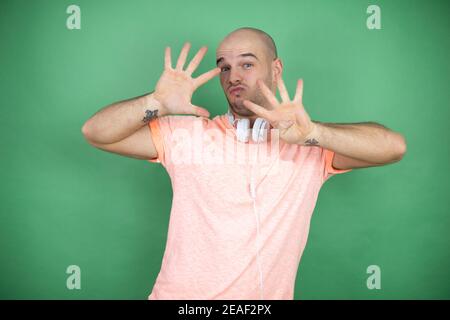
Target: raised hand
[(289, 117), (175, 87)]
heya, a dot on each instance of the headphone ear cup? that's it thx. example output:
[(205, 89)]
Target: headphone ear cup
[(242, 129), (259, 132)]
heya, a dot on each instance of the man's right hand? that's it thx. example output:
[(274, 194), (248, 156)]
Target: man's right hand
[(120, 127), (175, 87)]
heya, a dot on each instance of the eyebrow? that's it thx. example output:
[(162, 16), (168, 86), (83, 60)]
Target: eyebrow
[(248, 54)]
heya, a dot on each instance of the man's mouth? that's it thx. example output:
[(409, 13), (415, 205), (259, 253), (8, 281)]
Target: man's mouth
[(236, 90)]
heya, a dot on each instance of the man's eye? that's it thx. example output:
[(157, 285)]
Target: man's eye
[(223, 69), (247, 64)]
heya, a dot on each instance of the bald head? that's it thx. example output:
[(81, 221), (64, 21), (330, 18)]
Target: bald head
[(248, 34)]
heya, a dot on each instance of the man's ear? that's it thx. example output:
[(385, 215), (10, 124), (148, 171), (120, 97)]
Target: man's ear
[(277, 69)]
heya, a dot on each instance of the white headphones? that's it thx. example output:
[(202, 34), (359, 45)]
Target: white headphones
[(259, 130)]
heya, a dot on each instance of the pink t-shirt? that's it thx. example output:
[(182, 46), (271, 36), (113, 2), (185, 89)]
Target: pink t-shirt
[(238, 227)]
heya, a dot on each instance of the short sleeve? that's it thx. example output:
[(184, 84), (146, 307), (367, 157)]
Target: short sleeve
[(167, 131), (329, 170), (155, 132)]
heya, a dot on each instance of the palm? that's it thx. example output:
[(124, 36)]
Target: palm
[(176, 86), (175, 89), (292, 121)]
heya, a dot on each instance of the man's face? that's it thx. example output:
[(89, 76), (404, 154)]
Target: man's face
[(242, 62)]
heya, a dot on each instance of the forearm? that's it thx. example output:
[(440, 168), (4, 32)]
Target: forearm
[(121, 119), (368, 141)]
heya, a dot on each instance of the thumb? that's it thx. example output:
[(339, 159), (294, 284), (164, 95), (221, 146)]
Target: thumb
[(198, 111)]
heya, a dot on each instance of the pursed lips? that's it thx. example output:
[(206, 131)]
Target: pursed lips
[(235, 89)]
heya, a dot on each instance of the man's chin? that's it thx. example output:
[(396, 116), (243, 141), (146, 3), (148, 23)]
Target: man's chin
[(241, 110)]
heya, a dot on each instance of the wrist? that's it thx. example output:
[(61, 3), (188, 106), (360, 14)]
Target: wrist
[(314, 137), (153, 105)]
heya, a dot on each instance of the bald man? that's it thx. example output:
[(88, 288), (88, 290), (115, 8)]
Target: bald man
[(246, 182)]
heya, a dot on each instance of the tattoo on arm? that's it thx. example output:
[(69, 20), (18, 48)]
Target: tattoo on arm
[(311, 142), (149, 115)]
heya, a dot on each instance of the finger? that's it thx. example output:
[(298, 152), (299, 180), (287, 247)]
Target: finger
[(258, 110), (196, 60), (299, 92), (205, 77), (183, 55), (283, 92), (268, 94), (167, 59), (199, 111)]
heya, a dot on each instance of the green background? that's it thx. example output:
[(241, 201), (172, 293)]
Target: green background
[(64, 202)]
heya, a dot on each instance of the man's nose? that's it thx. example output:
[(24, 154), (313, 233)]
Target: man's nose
[(235, 77)]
